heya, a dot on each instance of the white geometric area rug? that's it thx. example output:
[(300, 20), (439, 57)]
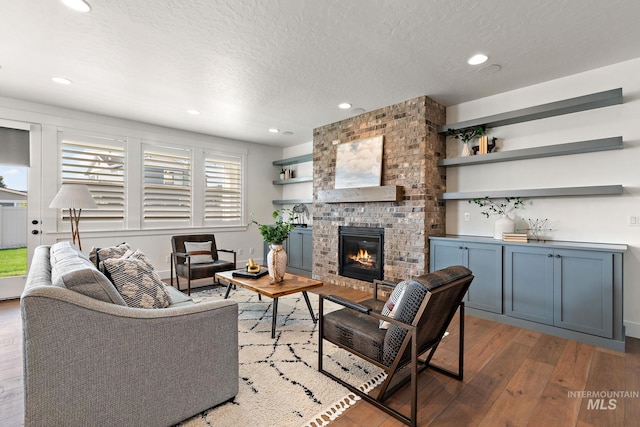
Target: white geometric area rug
[(279, 380)]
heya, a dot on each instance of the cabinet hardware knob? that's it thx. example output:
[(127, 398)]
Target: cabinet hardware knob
[(549, 255), (34, 222), (34, 232), (460, 247), (557, 256)]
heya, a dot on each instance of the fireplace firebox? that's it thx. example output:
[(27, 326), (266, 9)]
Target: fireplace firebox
[(361, 253)]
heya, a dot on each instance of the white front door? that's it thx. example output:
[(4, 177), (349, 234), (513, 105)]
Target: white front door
[(20, 224)]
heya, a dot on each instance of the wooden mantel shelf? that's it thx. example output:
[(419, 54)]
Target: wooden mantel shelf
[(385, 193)]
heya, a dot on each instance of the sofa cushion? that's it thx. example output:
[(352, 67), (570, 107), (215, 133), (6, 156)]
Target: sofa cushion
[(137, 282), (199, 252), (178, 299), (72, 270)]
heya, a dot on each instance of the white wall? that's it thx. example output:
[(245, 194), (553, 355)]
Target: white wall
[(155, 243), (602, 219)]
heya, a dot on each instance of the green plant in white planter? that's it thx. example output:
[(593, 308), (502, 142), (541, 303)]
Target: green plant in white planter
[(501, 207), (275, 235)]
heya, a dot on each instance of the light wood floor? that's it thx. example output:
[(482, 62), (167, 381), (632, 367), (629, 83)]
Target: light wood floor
[(513, 377)]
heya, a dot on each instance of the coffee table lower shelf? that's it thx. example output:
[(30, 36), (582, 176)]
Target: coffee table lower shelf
[(291, 284)]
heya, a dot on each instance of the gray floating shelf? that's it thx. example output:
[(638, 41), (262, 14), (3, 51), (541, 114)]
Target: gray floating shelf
[(292, 201), (293, 180), (294, 160), (567, 106), (604, 144), (598, 190)]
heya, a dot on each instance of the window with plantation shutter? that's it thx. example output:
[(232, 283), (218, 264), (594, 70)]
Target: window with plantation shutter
[(223, 201), (166, 186), (98, 163)]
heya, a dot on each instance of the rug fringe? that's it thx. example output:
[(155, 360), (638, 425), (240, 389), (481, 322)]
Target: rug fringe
[(336, 409)]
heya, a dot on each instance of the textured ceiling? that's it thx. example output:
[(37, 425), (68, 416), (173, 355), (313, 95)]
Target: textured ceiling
[(250, 65)]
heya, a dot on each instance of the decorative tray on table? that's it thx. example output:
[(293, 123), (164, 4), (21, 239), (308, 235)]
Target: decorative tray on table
[(244, 273)]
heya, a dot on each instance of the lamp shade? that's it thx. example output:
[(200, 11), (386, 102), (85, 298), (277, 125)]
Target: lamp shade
[(73, 196)]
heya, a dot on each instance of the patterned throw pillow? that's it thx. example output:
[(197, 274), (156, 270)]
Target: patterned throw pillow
[(199, 252), (391, 306), (100, 254), (137, 282)]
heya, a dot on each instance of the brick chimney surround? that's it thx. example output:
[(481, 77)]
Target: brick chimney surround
[(411, 150)]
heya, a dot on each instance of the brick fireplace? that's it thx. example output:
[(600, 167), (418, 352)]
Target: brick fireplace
[(411, 149)]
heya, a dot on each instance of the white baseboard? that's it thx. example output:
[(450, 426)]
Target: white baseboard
[(632, 329)]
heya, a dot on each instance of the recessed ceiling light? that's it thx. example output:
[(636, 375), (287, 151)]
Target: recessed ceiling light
[(357, 111), (287, 132), (193, 112), (477, 59), (274, 130), (344, 106), (77, 5), (61, 80)]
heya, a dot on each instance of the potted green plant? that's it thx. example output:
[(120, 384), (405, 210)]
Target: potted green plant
[(275, 235), (466, 135), (501, 207)]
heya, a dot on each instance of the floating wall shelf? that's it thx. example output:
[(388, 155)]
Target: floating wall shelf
[(604, 144), (293, 180), (567, 106), (294, 160), (598, 190)]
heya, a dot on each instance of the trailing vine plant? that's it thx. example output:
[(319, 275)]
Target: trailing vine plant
[(496, 206)]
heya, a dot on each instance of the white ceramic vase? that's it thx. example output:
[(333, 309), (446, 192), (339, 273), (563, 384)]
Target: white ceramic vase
[(504, 224), (466, 151), (276, 262)]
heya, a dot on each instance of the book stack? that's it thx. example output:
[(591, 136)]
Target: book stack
[(515, 237), (483, 142)]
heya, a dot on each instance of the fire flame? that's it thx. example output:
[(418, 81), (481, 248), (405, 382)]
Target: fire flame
[(363, 258)]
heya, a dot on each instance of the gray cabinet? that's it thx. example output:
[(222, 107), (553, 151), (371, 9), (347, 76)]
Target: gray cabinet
[(484, 260), (570, 289), (299, 248)]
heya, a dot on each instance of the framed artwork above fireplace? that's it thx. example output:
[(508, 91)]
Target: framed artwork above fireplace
[(359, 163)]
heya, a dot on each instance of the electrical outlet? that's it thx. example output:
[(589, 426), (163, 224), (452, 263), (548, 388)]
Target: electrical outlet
[(167, 259), (252, 251), (634, 220), (240, 252), (467, 216)]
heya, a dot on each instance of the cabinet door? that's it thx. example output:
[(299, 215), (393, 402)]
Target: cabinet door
[(294, 249), (307, 251), (584, 291), (528, 283), (485, 262), (445, 254)]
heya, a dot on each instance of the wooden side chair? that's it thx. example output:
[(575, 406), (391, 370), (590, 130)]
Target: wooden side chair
[(424, 309), (196, 256)]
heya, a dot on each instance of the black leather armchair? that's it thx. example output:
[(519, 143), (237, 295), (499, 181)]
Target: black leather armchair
[(183, 260)]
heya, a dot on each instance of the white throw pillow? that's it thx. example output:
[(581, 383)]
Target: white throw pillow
[(199, 252)]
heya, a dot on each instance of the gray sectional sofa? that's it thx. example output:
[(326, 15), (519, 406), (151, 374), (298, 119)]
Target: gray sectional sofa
[(90, 360)]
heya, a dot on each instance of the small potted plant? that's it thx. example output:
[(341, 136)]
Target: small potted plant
[(501, 207), (466, 135), (275, 235)]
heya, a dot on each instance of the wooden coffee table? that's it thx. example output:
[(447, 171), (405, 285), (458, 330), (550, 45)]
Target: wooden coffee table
[(291, 284)]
